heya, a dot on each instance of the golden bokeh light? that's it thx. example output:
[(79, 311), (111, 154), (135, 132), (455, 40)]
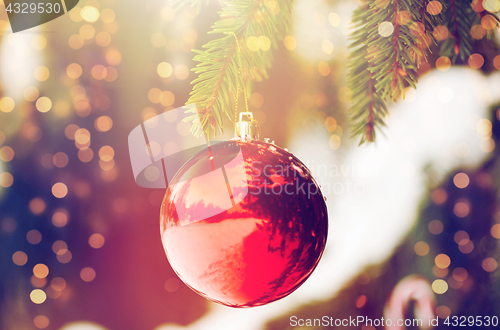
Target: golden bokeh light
[(476, 61), (87, 31), (491, 5), (41, 271), (38, 296), (6, 153), (90, 14), (96, 241), (20, 258), (107, 15), (334, 142), (483, 127), (434, 7), (253, 43), (461, 208), (421, 248), (75, 14), (7, 104), (181, 72), (443, 63), (495, 231), (487, 145), (435, 227), (323, 68), (460, 274), (172, 284), (440, 272), (256, 100), (103, 123), (82, 136), (33, 237), (60, 218), (43, 104), (106, 165), (440, 32), (164, 69), (488, 22), (403, 17), (85, 155), (461, 180), (489, 264), (87, 274), (167, 98), (265, 43), (327, 46), (58, 284), (112, 74), (41, 321), (31, 93), (496, 62), (155, 95), (439, 286), (103, 39), (113, 57), (99, 72), (290, 43), (59, 246), (59, 190), (443, 311), (6, 179), (477, 32), (42, 73), (74, 70), (70, 131), (442, 261), (76, 41), (334, 19), (60, 159), (330, 124), (37, 205), (460, 236), (385, 29), (64, 256), (106, 153), (360, 301)]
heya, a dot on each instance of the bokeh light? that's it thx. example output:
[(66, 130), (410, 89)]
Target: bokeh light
[(421, 248), (20, 258), (461, 180), (439, 286), (87, 274), (41, 321), (40, 271), (38, 296), (33, 236)]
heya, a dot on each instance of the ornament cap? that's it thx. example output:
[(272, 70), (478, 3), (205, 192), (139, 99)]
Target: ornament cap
[(247, 129)]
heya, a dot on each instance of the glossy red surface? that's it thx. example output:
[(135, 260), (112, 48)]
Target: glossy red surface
[(257, 251)]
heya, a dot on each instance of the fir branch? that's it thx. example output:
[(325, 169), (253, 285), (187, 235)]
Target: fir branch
[(459, 18), (227, 62), (381, 67)]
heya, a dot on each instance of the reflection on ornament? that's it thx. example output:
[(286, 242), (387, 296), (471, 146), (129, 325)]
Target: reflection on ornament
[(243, 223)]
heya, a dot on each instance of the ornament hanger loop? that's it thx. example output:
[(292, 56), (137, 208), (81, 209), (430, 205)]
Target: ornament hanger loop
[(237, 123)]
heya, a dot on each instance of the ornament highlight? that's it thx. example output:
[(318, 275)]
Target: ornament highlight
[(243, 223)]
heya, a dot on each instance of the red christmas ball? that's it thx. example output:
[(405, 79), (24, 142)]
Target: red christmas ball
[(243, 223)]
